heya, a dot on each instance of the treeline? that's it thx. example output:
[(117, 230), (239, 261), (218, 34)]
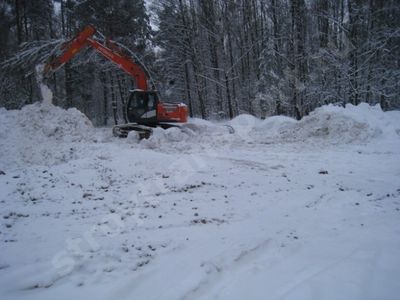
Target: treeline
[(222, 58)]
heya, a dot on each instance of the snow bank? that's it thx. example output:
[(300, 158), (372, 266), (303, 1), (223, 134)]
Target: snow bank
[(244, 124), (196, 135), (44, 134), (333, 125), (52, 122), (41, 134), (327, 125)]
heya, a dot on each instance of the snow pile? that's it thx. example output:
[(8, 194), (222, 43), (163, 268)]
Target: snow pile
[(174, 135), (196, 135), (327, 125), (244, 124), (333, 125), (41, 134), (44, 134), (52, 122)]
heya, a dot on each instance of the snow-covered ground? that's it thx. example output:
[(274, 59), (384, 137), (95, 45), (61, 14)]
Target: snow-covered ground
[(249, 209)]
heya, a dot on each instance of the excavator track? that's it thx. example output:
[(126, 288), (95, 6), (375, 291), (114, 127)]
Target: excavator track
[(122, 131), (144, 131)]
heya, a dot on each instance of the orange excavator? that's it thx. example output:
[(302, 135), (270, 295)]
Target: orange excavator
[(144, 108)]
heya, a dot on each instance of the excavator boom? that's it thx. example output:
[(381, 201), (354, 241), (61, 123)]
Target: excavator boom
[(70, 49), (84, 38)]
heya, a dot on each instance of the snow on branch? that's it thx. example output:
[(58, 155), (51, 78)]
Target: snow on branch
[(31, 54)]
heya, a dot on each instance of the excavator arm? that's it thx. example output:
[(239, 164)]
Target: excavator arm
[(110, 51)]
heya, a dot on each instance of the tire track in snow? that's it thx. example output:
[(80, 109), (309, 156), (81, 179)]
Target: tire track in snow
[(216, 271)]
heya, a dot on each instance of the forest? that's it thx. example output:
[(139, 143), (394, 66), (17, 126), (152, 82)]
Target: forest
[(221, 58)]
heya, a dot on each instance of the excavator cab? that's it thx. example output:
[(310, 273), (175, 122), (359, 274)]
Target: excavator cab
[(145, 108), (142, 107)]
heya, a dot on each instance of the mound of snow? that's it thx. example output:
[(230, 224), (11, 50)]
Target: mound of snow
[(327, 125), (196, 135), (331, 124), (243, 124), (161, 137), (45, 134), (52, 122), (274, 126), (200, 122), (200, 126), (41, 134), (133, 137)]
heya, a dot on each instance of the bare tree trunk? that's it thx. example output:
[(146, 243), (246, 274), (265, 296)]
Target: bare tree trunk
[(103, 80), (187, 77), (353, 70), (277, 49), (299, 55), (189, 97), (113, 99), (228, 95), (68, 84), (123, 100), (196, 66), (323, 23), (25, 18), (208, 13), (233, 72), (18, 21)]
